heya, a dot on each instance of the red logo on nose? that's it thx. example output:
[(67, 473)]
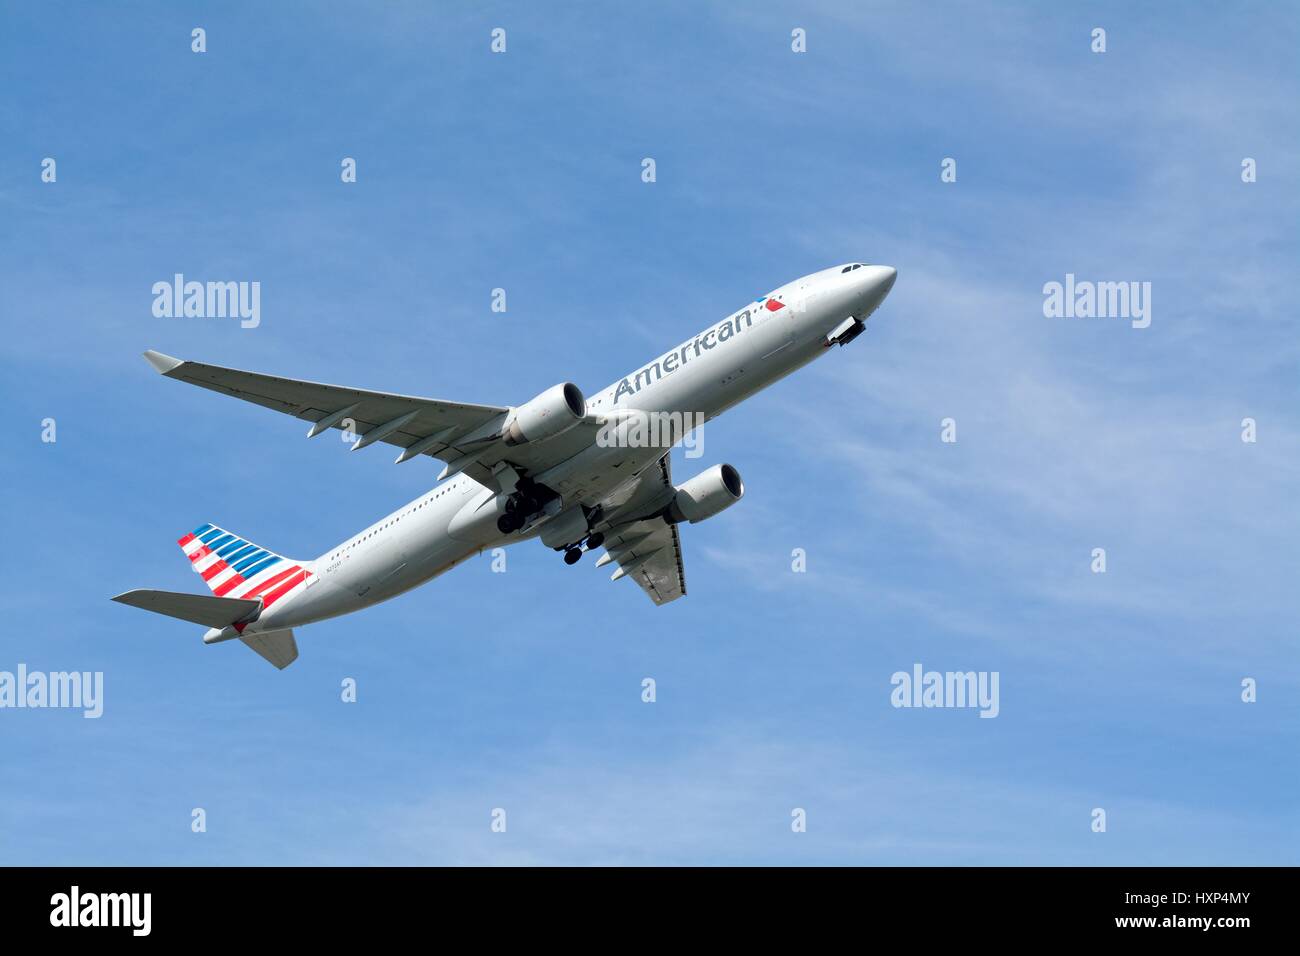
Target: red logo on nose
[(774, 306)]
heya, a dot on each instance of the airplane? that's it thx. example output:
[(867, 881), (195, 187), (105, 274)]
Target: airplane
[(575, 472)]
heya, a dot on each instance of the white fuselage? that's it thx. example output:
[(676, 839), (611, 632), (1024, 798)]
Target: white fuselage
[(703, 376)]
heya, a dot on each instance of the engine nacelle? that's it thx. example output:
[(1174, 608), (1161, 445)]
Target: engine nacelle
[(551, 413), (706, 494)]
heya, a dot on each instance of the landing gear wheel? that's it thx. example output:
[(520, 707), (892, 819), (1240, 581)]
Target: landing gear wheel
[(509, 523), (595, 541), (572, 555)]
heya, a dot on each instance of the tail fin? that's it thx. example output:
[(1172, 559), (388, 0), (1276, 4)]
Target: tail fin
[(233, 567), (278, 647)]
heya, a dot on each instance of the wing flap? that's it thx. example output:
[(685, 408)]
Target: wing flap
[(655, 563), (646, 547)]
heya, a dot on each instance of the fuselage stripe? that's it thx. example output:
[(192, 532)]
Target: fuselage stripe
[(242, 553), (269, 582), (231, 548), (249, 560), (287, 586), (261, 566), (227, 585), (212, 570)]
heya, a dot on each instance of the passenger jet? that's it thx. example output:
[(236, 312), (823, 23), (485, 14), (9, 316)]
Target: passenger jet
[(572, 471)]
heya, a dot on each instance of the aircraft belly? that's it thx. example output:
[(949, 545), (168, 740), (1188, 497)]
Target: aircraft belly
[(422, 567), (408, 555), (475, 519), (320, 602), (429, 548)]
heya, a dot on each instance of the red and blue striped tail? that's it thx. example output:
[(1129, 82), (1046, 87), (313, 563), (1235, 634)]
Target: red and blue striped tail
[(236, 568)]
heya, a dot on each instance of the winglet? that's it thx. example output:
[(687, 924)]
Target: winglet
[(162, 363)]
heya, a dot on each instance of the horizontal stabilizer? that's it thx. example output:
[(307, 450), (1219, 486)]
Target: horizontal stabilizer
[(197, 608), (278, 647)]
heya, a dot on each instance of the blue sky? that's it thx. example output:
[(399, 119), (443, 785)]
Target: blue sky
[(522, 690)]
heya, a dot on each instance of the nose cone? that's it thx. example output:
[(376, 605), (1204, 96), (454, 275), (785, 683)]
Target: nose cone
[(882, 278), (874, 283)]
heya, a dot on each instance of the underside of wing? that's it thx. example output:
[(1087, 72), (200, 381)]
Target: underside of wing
[(646, 547)]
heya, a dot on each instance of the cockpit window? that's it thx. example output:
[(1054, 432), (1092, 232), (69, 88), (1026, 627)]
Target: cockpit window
[(845, 269), (857, 265)]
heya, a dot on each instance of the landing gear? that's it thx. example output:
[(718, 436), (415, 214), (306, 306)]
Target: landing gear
[(527, 500), (573, 553)]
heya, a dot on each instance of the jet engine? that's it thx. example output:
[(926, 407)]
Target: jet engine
[(551, 413), (705, 495)]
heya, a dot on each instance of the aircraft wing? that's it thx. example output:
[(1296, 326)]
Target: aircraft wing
[(646, 547), (466, 437)]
